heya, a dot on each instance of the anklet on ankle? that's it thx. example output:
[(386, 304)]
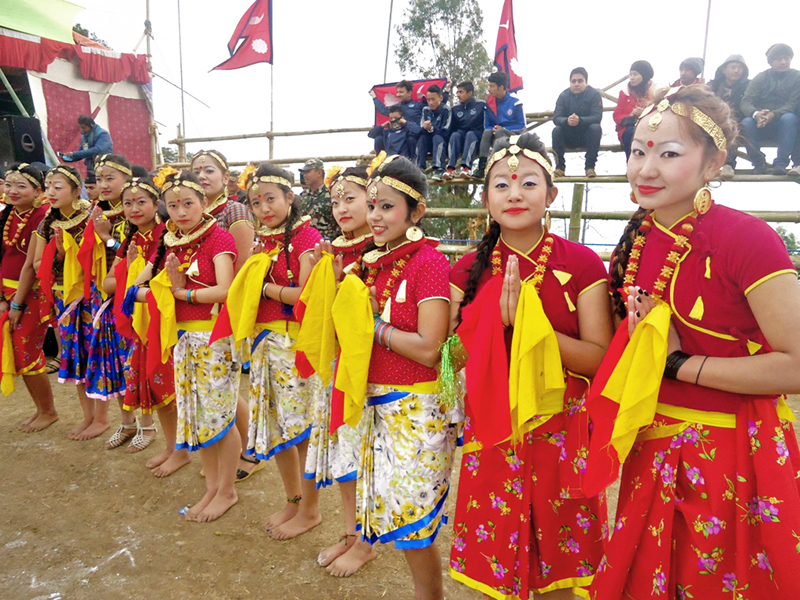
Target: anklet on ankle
[(294, 499), (346, 536)]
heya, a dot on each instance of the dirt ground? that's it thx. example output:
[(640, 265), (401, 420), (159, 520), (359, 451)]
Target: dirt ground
[(78, 521)]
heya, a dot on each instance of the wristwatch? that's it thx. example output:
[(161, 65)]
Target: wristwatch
[(112, 243)]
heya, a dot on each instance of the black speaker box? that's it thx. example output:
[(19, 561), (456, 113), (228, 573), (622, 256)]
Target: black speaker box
[(20, 140)]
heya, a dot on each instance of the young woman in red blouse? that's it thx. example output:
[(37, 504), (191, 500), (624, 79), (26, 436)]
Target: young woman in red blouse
[(20, 294), (532, 313), (691, 404)]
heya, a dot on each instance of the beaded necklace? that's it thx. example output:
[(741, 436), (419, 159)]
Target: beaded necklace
[(23, 221), (376, 260), (673, 256), (541, 261)]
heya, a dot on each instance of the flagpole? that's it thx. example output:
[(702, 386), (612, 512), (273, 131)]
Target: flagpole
[(388, 38), (271, 110), (180, 59), (705, 40)]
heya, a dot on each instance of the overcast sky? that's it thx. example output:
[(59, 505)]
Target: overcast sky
[(329, 54)]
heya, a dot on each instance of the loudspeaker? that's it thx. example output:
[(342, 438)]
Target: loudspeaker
[(20, 140)]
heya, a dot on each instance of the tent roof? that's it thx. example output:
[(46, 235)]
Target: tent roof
[(52, 19)]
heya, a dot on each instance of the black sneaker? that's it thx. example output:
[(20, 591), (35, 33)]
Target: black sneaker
[(779, 171), (437, 175), (479, 173)]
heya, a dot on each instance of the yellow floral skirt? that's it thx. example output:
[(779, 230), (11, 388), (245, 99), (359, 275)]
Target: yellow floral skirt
[(280, 400), (406, 458), (206, 389)]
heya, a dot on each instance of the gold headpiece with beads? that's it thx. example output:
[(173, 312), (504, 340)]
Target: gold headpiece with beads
[(66, 173), (697, 116), (396, 184), (36, 183), (201, 158), (176, 183), (242, 181), (104, 161), (253, 183), (161, 178), (513, 160), (136, 183), (335, 176)]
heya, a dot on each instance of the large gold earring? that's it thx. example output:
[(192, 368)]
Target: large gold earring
[(414, 234), (76, 204), (158, 219), (702, 200), (38, 201), (633, 198), (172, 226), (547, 220)]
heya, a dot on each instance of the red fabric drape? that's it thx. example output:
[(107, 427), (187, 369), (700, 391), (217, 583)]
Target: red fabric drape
[(96, 65), (127, 124), (64, 105), (22, 53)]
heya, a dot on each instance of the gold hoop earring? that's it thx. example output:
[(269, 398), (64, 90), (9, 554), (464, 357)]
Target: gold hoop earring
[(702, 200), (633, 198), (414, 234), (547, 220), (172, 226), (158, 219), (38, 202)]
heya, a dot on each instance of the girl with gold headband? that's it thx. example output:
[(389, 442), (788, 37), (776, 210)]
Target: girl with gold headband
[(188, 278), (105, 378), (531, 311), (61, 280), (264, 327), (22, 326), (691, 404), (399, 300), (211, 167), (333, 454)]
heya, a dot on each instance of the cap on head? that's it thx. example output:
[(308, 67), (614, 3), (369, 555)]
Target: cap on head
[(695, 63), (643, 68), (777, 51), (311, 164)]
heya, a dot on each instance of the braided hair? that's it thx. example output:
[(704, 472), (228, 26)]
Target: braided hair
[(130, 228), (175, 178), (619, 261), (483, 254), (28, 170)]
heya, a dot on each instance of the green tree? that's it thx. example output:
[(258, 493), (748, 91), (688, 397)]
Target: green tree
[(788, 238), (444, 38), (453, 196)]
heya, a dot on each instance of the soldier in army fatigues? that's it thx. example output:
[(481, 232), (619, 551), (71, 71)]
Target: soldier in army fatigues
[(316, 199)]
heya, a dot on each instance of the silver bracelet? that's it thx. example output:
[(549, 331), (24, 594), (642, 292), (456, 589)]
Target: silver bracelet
[(389, 339)]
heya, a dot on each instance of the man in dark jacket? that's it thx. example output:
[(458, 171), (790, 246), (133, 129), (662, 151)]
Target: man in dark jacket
[(729, 83), (466, 131), (577, 116), (435, 131), (395, 134), (770, 105), (95, 141), (503, 116)]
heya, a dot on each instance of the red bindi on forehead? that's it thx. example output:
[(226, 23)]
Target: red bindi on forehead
[(650, 143), (513, 176)]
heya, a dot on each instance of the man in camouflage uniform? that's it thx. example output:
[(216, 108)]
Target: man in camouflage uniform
[(316, 199)]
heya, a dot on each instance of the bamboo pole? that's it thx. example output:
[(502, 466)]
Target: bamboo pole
[(459, 213), (181, 146), (578, 192)]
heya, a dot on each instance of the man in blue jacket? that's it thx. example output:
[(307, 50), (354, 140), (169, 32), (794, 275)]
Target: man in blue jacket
[(95, 141), (577, 116), (503, 116), (435, 131), (395, 134), (466, 131)]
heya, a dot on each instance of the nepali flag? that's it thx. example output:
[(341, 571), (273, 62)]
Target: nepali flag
[(255, 28), (505, 52), (386, 94)]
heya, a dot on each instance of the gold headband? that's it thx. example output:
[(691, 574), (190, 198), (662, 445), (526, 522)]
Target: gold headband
[(253, 185), (121, 168), (175, 184), (513, 160), (201, 157), (136, 183), (697, 116), (339, 181), (62, 171), (36, 183), (396, 184)]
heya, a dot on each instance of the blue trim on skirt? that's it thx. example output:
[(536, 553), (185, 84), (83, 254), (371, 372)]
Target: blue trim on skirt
[(386, 398), (396, 535), (281, 447), (207, 443)]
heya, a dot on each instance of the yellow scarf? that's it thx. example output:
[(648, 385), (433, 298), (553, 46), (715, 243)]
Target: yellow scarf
[(244, 295), (141, 316), (8, 368), (161, 288), (317, 339), (355, 327), (73, 273)]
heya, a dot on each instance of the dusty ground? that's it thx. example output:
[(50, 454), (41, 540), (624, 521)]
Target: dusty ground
[(78, 521)]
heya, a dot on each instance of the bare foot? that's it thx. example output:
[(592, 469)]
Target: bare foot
[(217, 507), (280, 517), (41, 422), (176, 460), (351, 561), (159, 459), (74, 433), (191, 514), (331, 553), (92, 431), (28, 421), (296, 526)]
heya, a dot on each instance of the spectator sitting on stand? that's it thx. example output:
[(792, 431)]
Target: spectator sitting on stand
[(315, 201), (729, 83), (770, 105), (95, 141), (433, 138), (579, 110), (466, 130), (395, 133), (92, 191), (690, 71), (508, 119), (630, 105)]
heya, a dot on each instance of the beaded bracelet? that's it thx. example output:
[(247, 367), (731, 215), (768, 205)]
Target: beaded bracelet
[(15, 306)]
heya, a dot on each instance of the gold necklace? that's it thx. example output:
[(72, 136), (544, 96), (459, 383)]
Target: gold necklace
[(80, 217), (220, 201), (345, 242), (113, 212), (265, 231), (171, 240)]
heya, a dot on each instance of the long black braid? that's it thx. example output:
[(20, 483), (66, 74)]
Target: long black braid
[(619, 261), (161, 253)]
